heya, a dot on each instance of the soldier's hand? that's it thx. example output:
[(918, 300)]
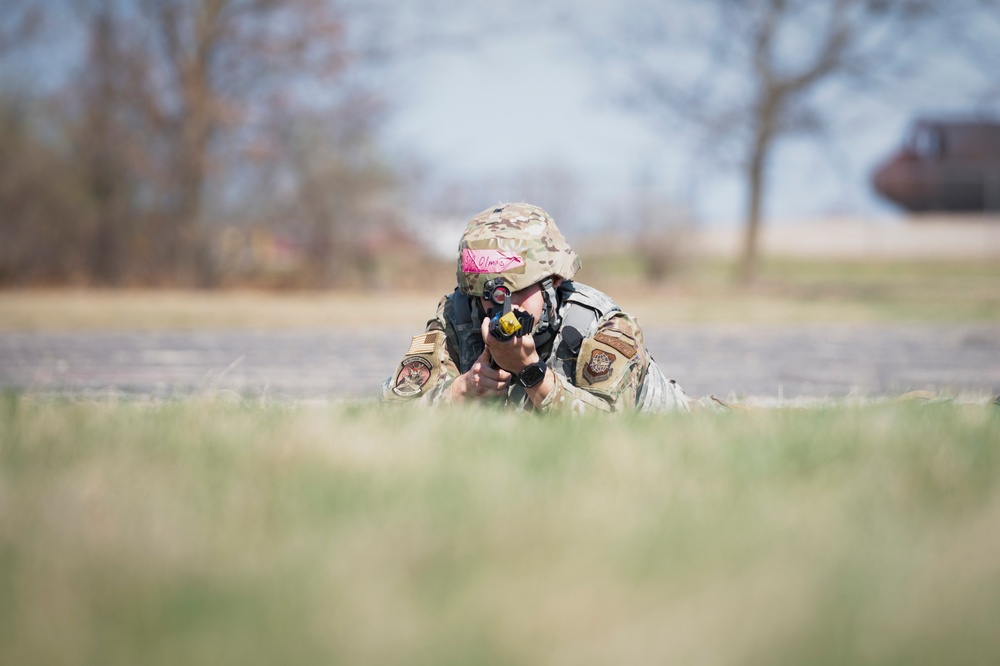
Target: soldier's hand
[(482, 380), (514, 354)]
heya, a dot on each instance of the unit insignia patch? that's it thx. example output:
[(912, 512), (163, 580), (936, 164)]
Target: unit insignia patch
[(413, 375), (598, 368)]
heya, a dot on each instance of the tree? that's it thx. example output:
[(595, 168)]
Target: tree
[(37, 187), (104, 147), (171, 90), (215, 70), (336, 181), (748, 73), (20, 22), (38, 195), (180, 113)]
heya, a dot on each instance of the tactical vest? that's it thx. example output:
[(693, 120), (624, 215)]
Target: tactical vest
[(580, 309)]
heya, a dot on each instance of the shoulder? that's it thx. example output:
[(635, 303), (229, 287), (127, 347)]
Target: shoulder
[(571, 292), (620, 332), (613, 360), (610, 317), (428, 360), (446, 306), (424, 367), (582, 307), (450, 309)]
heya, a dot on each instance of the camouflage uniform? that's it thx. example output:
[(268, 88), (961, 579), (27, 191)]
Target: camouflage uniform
[(596, 352)]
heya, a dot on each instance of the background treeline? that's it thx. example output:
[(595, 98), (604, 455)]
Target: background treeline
[(194, 143), (215, 142)]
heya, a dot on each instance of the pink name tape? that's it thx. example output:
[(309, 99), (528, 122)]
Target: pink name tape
[(489, 261)]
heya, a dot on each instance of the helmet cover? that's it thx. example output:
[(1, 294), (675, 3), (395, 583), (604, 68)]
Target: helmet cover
[(516, 241)]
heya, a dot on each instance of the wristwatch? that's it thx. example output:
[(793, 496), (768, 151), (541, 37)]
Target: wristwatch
[(531, 374)]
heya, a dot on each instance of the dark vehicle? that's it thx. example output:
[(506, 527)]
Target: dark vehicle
[(945, 166)]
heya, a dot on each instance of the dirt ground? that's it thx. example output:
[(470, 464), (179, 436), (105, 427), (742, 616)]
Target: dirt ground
[(753, 363)]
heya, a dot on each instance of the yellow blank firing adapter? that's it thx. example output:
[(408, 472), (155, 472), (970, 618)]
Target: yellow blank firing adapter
[(509, 324)]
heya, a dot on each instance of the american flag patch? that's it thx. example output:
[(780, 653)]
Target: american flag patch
[(422, 344)]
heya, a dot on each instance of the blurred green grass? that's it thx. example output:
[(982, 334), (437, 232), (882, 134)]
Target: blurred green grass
[(202, 532)]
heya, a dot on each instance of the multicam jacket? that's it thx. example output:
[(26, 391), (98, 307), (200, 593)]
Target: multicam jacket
[(598, 357)]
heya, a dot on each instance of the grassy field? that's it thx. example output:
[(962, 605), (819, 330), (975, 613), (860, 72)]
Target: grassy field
[(803, 291), (197, 532), (788, 291)]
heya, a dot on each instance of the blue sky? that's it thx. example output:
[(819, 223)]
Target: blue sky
[(522, 92)]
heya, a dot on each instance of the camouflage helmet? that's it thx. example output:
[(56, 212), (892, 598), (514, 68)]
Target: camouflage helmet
[(516, 241)]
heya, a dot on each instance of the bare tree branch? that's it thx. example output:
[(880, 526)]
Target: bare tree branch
[(766, 61)]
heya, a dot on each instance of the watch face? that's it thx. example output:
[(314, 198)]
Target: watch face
[(532, 374)]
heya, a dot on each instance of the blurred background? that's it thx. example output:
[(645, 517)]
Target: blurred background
[(325, 143)]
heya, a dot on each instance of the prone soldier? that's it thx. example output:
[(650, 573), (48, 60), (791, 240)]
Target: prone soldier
[(518, 329)]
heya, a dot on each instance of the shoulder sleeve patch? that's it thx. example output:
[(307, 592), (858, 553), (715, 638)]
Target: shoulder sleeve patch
[(422, 344), (612, 362), (421, 367), (600, 367), (413, 375), (619, 340)]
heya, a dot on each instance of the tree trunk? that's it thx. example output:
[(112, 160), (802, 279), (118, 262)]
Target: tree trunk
[(108, 251), (190, 260), (102, 153), (746, 272), (193, 260)]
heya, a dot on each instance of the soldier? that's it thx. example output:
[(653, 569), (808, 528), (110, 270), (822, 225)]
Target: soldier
[(580, 352)]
